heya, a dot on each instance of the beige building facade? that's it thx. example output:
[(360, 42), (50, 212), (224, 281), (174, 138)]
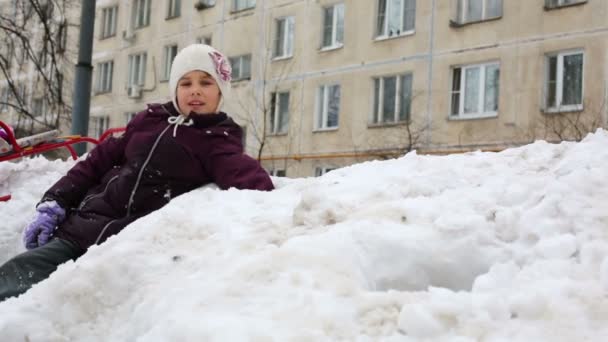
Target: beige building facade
[(322, 84)]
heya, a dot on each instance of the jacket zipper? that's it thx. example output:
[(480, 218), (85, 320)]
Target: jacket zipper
[(90, 197), (103, 231), (141, 171)]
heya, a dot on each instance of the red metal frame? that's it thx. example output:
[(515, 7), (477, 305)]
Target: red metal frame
[(66, 142)]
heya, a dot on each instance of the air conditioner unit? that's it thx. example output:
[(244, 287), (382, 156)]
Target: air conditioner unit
[(202, 4), (128, 34), (134, 92)]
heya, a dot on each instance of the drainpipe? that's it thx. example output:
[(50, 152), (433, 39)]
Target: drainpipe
[(81, 100), (429, 90)]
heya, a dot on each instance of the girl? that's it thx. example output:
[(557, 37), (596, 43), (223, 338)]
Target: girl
[(166, 150)]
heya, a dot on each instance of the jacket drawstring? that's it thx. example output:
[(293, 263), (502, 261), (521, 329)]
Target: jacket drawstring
[(179, 120)]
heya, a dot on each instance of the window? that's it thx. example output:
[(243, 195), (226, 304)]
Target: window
[(4, 100), (477, 10), (204, 40), (333, 26), (395, 17), (98, 125), (283, 44), (321, 170), (279, 112), (108, 21), (475, 90), (392, 99), (174, 8), (328, 107), (550, 4), (168, 56), (241, 67), (129, 116), (104, 77), (141, 13), (239, 5), (137, 69), (277, 173), (38, 107), (564, 81)]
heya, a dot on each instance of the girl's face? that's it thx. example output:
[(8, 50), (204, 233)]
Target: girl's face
[(198, 92)]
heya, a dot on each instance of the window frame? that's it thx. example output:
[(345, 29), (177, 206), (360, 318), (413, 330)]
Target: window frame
[(322, 108), (322, 170), (403, 31), (140, 74), (559, 91), (377, 117), (105, 76), (98, 125), (287, 45), (462, 19), (109, 16), (277, 172), (4, 93), (128, 116), (141, 20), (461, 115), (174, 9), (237, 63), (335, 43), (276, 114), (169, 53), (242, 5)]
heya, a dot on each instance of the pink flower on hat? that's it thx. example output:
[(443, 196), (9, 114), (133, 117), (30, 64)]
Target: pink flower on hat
[(222, 67)]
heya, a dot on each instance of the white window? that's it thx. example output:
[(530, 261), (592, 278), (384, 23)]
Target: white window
[(333, 26), (108, 21), (279, 112), (241, 67), (98, 125), (104, 77), (477, 10), (475, 90), (283, 43), (321, 170), (564, 81), (277, 173), (328, 107), (137, 69), (239, 5), (129, 116), (560, 3), (395, 17), (169, 54), (392, 99), (174, 8), (4, 100), (141, 13)]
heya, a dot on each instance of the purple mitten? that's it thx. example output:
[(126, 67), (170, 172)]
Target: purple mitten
[(41, 229)]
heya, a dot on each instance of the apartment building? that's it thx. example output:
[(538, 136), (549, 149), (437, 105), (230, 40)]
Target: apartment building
[(322, 84)]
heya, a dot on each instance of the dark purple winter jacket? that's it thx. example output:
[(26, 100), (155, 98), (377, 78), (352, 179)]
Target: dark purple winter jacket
[(127, 177)]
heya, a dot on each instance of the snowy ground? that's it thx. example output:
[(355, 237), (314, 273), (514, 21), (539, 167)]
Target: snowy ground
[(509, 246)]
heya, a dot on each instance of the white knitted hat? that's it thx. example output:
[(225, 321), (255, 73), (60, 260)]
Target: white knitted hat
[(204, 58)]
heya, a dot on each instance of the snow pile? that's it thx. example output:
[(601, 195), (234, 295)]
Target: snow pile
[(509, 246)]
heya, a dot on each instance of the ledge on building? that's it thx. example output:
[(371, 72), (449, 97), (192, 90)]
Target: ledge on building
[(325, 130), (481, 116), (331, 48), (458, 24), (563, 109), (400, 35)]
